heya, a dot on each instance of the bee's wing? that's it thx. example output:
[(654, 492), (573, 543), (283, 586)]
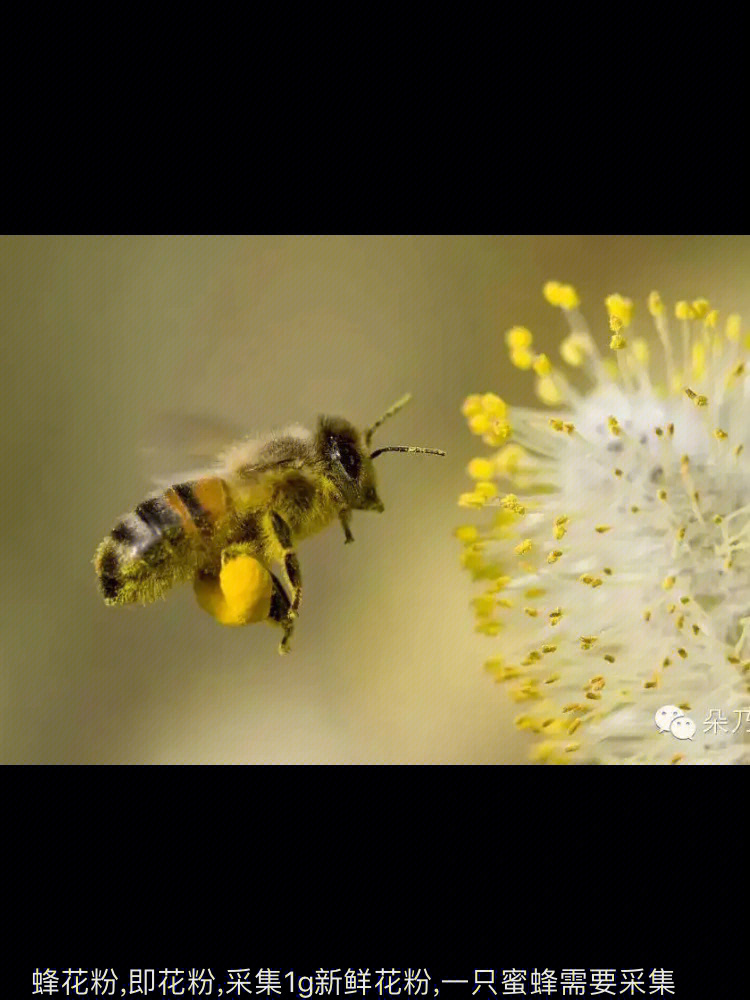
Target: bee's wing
[(172, 443)]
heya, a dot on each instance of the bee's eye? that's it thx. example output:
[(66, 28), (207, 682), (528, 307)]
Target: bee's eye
[(348, 456)]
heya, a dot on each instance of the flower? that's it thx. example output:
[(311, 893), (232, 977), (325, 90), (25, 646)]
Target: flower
[(615, 552)]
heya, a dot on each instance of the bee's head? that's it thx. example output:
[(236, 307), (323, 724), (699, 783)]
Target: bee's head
[(348, 463), (349, 460)]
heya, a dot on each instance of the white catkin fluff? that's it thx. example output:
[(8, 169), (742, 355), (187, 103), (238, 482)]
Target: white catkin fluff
[(616, 557)]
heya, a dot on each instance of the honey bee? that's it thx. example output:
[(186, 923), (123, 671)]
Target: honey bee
[(225, 528)]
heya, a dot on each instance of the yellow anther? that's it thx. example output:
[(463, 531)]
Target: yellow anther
[(472, 405), (712, 318), (521, 358), (471, 500), (668, 582), (480, 468), (524, 547), (698, 400), (467, 533), (640, 348), (510, 502), (682, 653), (564, 296), (549, 649), (574, 349), (472, 560), (547, 752), (683, 310), (556, 425), (720, 435), (542, 365), (619, 308), (499, 431), (662, 494), (488, 628), (618, 342), (655, 304), (479, 423), (554, 556), (614, 427), (508, 458), (609, 658), (700, 308), (733, 326), (531, 612), (601, 528), (559, 531), (484, 605), (494, 406), (518, 336), (547, 391), (486, 489)]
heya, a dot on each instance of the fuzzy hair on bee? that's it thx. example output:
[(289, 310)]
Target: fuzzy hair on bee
[(226, 527)]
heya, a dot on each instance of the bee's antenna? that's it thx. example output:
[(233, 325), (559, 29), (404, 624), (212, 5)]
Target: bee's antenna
[(400, 447), (389, 413)]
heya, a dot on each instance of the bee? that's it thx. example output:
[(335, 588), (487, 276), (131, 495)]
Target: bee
[(226, 528)]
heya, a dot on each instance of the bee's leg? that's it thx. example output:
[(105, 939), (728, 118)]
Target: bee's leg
[(279, 613), (289, 557), (345, 516)]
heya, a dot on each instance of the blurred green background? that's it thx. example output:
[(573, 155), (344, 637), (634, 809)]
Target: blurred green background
[(102, 335)]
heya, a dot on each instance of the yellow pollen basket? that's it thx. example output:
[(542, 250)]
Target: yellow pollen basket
[(240, 596)]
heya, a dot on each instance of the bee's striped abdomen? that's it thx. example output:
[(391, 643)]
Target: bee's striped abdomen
[(159, 543)]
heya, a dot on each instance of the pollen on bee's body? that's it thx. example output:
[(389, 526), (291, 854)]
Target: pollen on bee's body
[(674, 409)]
